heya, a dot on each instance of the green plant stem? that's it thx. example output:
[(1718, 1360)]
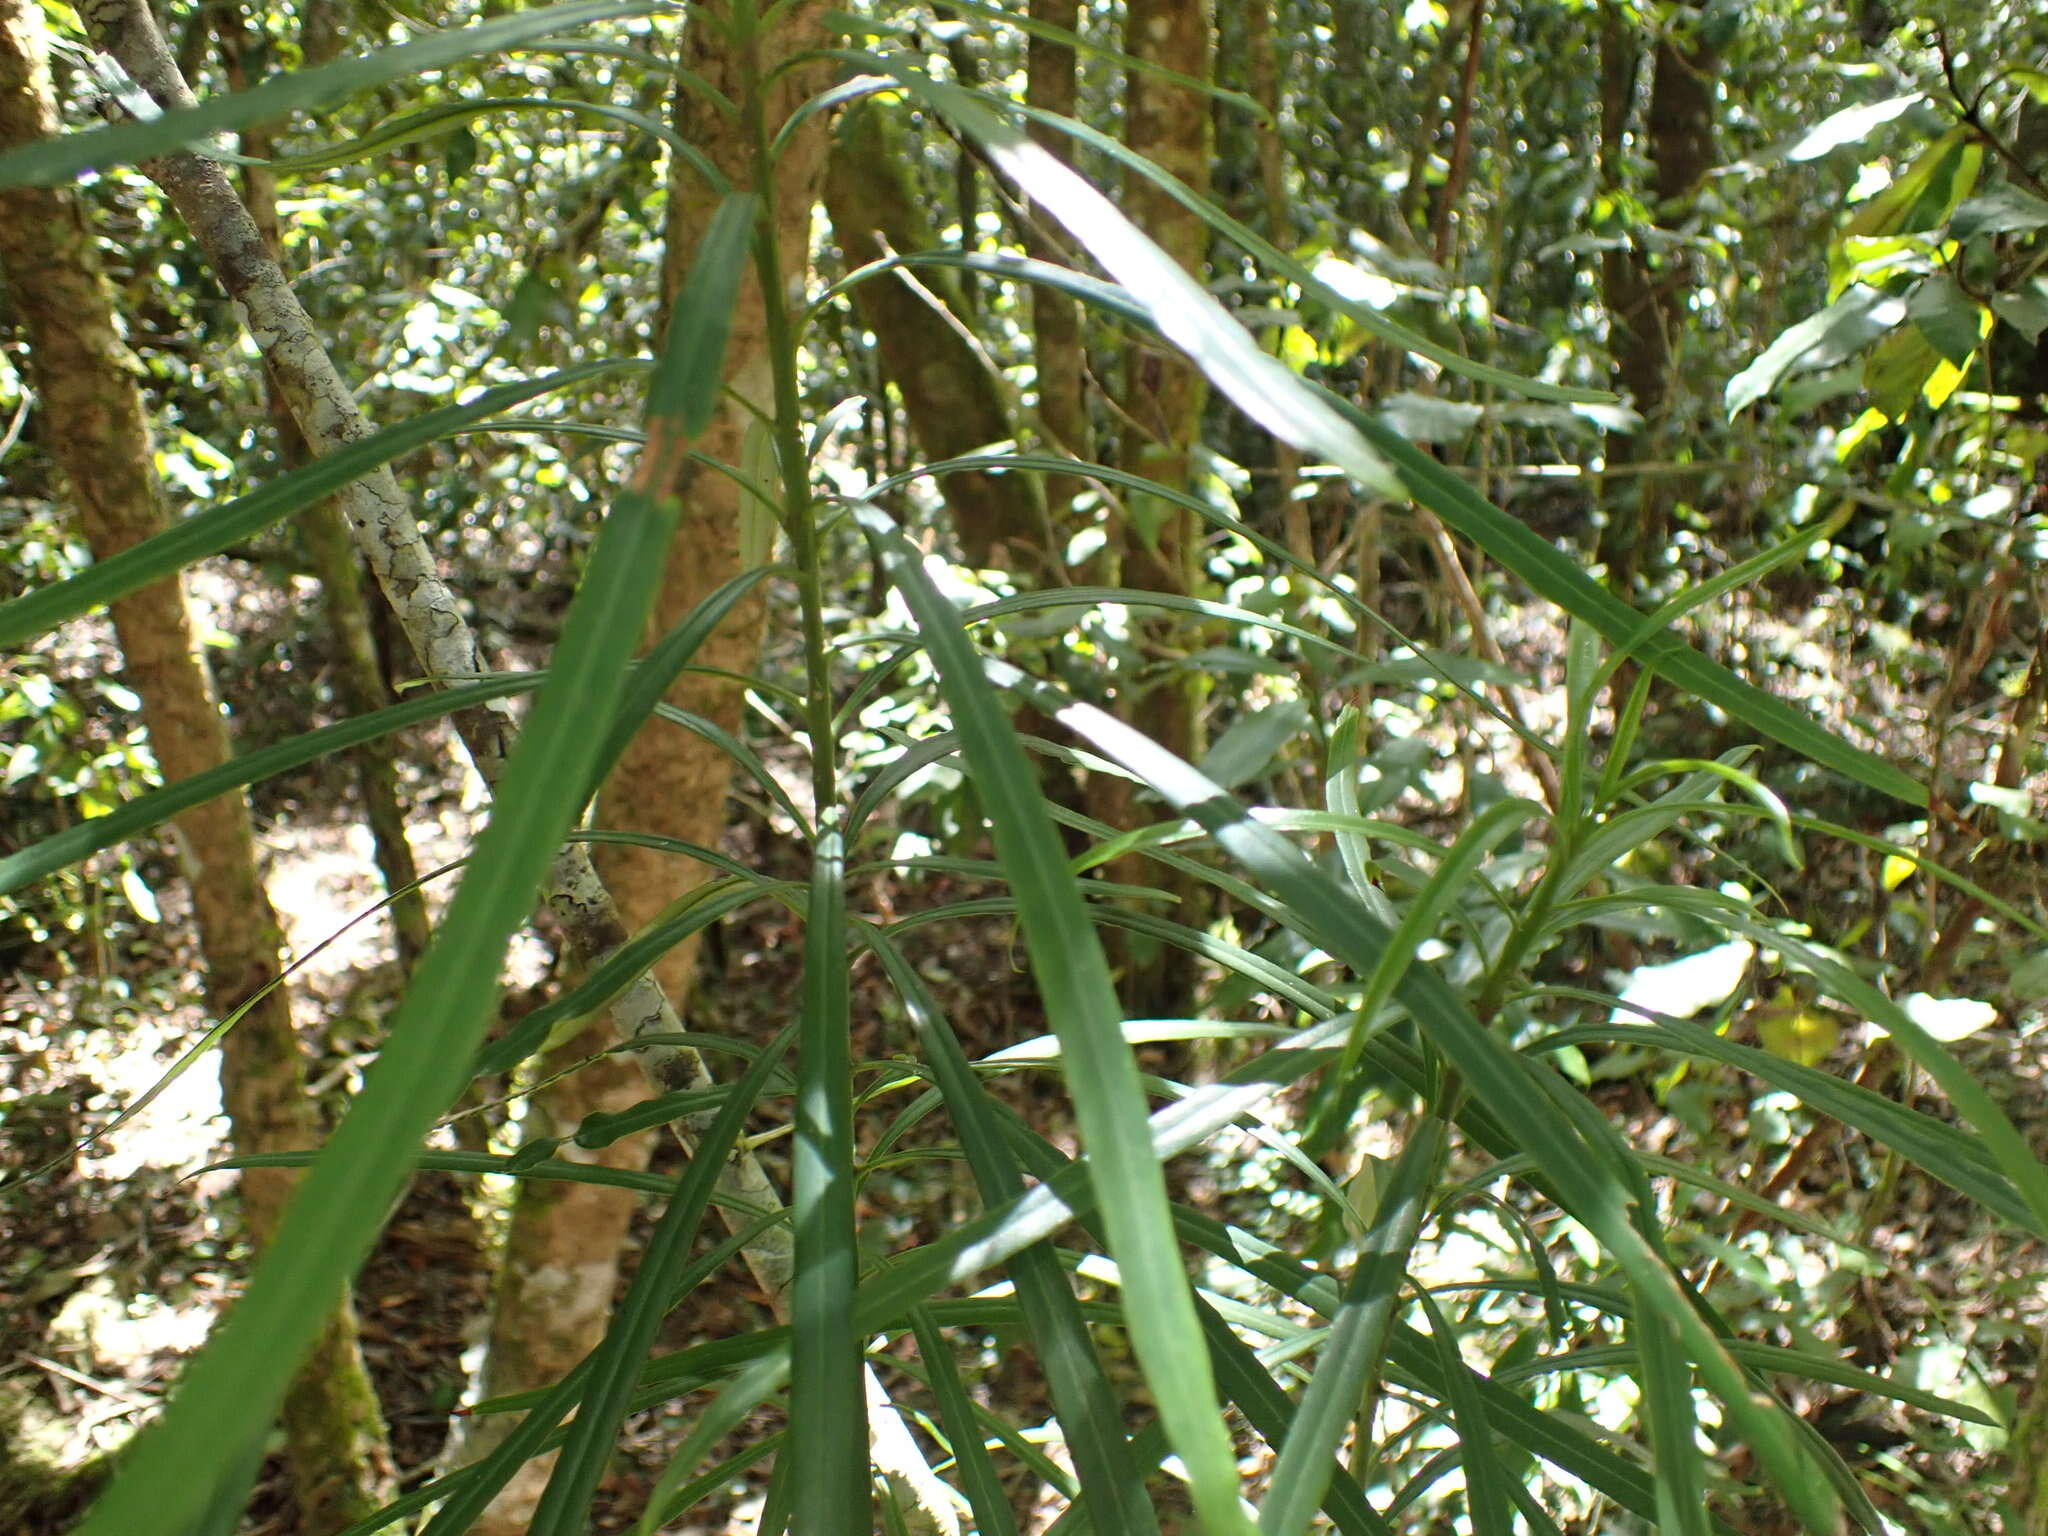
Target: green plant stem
[(797, 507)]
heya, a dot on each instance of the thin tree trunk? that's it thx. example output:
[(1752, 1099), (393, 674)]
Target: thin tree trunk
[(94, 423), (671, 781), (565, 1244), (1059, 352), (951, 392), (1157, 548), (344, 604), (1645, 298)]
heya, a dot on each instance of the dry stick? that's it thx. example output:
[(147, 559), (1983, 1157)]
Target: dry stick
[(1460, 583), (405, 568)]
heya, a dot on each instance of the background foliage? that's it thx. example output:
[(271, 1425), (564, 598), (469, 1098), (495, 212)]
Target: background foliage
[(1450, 944)]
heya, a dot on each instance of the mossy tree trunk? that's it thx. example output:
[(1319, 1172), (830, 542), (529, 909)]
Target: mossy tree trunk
[(91, 419)]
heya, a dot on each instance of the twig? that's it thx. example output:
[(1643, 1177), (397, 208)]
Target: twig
[(79, 1378)]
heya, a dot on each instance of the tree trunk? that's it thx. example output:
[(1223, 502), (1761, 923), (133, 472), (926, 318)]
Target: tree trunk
[(1644, 292), (1059, 351), (1157, 548), (92, 418), (563, 1249), (671, 781), (951, 392)]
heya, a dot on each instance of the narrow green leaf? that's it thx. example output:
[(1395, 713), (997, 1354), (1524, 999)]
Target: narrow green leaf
[(1258, 383), (1666, 1381), (1561, 580), (1953, 1156), (1084, 1401), (613, 1367), (1073, 977), (1350, 1363), (978, 1477), (827, 1398), (661, 665), (446, 117), (1487, 1504), (161, 805)]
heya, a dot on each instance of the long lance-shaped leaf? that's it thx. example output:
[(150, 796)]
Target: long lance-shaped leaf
[(446, 117), (614, 1366), (53, 161), (948, 99), (978, 1476), (702, 906), (1486, 1496), (1073, 976), (1350, 1362), (1259, 384), (161, 805), (827, 1399), (1553, 575), (2007, 1148), (649, 679), (1268, 1411), (1954, 1156), (208, 533), (230, 1390), (1329, 916)]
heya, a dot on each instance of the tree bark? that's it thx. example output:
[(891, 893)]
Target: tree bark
[(93, 422), (1644, 294), (565, 1244), (344, 602), (1059, 350), (671, 781), (951, 393), (1158, 546)]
